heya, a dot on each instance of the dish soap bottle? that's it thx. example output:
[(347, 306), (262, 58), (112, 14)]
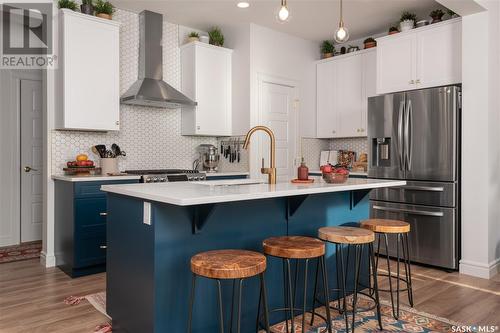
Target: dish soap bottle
[(303, 171)]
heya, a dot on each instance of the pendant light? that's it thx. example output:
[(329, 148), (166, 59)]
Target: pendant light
[(342, 33), (283, 13)]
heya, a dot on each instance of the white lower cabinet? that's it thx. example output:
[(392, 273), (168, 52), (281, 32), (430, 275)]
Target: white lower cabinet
[(88, 77), (343, 85), (206, 78)]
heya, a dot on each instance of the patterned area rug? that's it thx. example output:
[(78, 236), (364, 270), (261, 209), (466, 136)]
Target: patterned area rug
[(20, 252), (410, 319)]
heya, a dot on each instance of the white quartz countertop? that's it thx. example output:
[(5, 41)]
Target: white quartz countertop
[(191, 193), (93, 178), (352, 173)]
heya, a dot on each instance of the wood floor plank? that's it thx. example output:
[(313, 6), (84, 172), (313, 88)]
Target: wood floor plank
[(32, 298)]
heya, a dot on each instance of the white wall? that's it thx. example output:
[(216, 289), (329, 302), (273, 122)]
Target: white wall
[(480, 138), (278, 54)]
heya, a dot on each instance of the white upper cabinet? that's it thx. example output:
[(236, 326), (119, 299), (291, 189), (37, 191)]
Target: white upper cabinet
[(421, 58), (88, 78), (325, 100), (396, 67), (206, 78), (343, 85)]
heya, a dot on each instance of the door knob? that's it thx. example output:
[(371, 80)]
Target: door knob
[(28, 169)]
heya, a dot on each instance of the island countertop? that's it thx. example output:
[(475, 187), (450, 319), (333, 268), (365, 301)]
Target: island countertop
[(193, 193)]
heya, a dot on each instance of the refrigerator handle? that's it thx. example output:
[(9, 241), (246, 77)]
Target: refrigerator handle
[(400, 134), (408, 211), (408, 137)]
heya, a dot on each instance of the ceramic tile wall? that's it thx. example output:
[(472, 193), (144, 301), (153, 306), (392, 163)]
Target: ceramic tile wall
[(311, 150), (151, 137), (359, 145)]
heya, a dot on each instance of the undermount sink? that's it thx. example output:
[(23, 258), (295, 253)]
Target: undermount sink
[(229, 182)]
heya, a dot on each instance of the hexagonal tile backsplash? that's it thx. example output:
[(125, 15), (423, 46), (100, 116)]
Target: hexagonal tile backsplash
[(150, 136)]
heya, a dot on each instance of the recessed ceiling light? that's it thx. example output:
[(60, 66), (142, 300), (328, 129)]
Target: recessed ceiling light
[(243, 4)]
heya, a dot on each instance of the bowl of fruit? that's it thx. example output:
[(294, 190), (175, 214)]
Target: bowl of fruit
[(334, 175), (81, 165)]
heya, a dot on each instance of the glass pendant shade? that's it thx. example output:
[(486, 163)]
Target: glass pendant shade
[(283, 13), (342, 34)]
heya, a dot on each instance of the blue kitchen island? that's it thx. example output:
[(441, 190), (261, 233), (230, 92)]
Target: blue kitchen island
[(154, 229)]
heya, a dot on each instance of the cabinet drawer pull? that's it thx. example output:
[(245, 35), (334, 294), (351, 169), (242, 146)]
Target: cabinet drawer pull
[(103, 214), (411, 212), (424, 188), (103, 247)]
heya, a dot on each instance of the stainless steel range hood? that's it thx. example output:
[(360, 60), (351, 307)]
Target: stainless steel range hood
[(150, 89)]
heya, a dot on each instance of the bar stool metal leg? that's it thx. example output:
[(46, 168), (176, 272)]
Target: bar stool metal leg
[(264, 300), (305, 296), (290, 294), (343, 289), (408, 268), (326, 294), (238, 323), (315, 292), (375, 283), (285, 293), (221, 313), (191, 303), (391, 291), (232, 307), (398, 243), (357, 265)]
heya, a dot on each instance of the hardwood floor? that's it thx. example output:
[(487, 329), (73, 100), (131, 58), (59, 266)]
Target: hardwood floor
[(31, 298)]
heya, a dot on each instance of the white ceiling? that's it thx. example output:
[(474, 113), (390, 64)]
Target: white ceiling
[(310, 19)]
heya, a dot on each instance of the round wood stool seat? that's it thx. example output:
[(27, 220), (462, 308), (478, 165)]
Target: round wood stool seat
[(386, 226), (228, 264), (346, 235), (294, 247)]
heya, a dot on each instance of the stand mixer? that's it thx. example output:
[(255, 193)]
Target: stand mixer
[(209, 158)]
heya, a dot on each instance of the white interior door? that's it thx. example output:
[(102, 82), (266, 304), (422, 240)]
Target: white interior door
[(31, 160), (278, 112)]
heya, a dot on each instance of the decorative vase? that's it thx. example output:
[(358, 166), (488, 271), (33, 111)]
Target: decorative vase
[(193, 39), (87, 9), (327, 55), (104, 16), (436, 19), (204, 39), (370, 45), (406, 25)]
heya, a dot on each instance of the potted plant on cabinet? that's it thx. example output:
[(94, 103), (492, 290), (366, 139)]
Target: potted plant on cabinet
[(436, 15), (393, 30), (369, 43), (193, 37), (451, 13), (216, 37), (104, 9), (407, 21), (69, 4), (86, 7), (327, 49)]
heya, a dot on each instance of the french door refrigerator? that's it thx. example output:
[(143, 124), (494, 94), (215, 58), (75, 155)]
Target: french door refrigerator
[(415, 136)]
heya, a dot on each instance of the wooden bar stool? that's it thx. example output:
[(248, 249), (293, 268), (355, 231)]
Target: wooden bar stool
[(304, 249), (401, 229), (237, 265), (357, 238)]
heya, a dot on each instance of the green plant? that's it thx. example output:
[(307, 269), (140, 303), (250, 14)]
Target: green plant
[(327, 47), (69, 4), (408, 16), (104, 7), (87, 2), (369, 40), (392, 29), (451, 13), (194, 34), (438, 13), (216, 36)]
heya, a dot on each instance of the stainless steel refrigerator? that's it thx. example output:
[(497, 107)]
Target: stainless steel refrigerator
[(415, 136)]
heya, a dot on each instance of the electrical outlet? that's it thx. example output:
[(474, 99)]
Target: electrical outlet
[(147, 213)]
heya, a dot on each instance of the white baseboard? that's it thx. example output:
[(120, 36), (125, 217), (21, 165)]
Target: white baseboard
[(485, 271), (47, 260)]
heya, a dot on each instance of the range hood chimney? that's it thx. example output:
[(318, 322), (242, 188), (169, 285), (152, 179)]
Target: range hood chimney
[(150, 89)]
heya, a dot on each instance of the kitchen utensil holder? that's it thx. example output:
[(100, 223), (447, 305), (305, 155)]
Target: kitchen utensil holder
[(109, 166)]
